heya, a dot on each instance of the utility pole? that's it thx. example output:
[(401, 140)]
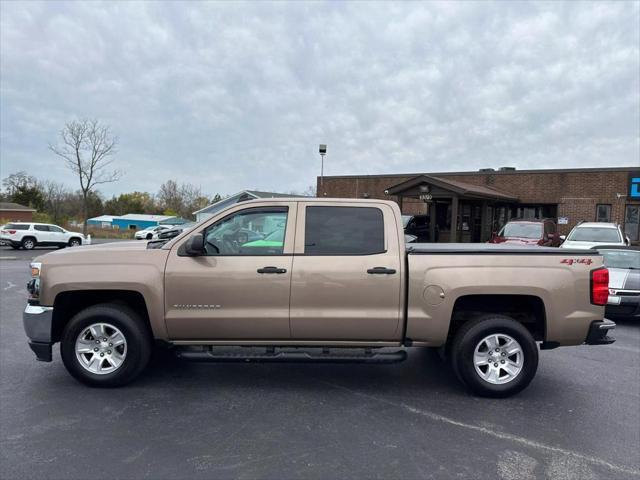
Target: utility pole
[(323, 152)]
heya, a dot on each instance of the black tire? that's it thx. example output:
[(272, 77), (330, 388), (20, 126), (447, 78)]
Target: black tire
[(29, 243), (471, 334), (149, 236), (137, 335), (75, 242)]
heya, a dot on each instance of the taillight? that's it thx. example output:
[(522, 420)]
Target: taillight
[(599, 286), (10, 232)]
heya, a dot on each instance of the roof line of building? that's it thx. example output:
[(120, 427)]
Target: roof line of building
[(493, 172)]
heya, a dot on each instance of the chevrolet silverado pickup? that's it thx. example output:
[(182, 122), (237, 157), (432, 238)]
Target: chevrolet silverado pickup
[(314, 280)]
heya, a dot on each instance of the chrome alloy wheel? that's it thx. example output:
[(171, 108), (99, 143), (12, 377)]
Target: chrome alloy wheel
[(101, 348), (498, 359)]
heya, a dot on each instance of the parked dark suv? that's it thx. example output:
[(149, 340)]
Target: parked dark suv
[(529, 232)]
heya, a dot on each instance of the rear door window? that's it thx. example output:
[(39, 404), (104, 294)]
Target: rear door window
[(41, 228), (344, 231)]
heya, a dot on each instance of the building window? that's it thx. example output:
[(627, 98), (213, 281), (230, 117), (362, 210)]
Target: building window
[(603, 213)]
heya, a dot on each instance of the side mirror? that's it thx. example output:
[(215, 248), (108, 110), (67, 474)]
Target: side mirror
[(194, 247), (563, 237)]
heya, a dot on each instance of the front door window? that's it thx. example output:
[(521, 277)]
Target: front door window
[(255, 231)]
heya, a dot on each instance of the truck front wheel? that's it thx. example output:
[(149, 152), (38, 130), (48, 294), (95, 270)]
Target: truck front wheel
[(105, 345), (494, 356)]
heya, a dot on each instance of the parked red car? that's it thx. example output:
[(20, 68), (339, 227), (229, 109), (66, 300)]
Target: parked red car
[(529, 232)]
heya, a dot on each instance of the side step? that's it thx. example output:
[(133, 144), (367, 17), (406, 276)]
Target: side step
[(289, 354)]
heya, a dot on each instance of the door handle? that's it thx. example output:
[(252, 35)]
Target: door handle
[(272, 270), (381, 271)]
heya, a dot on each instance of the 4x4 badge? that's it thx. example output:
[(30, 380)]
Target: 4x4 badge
[(571, 261)]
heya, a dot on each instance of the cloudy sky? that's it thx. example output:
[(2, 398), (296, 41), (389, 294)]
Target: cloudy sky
[(231, 96)]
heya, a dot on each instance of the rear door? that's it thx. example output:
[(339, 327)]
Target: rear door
[(347, 273), (238, 290)]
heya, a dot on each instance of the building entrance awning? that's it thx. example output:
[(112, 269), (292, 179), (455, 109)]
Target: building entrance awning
[(441, 188)]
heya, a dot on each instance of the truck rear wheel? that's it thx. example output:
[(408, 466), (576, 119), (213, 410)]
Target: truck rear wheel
[(106, 345), (494, 356)]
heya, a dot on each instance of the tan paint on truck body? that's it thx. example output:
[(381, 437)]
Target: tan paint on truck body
[(112, 266), (563, 289), (320, 300)]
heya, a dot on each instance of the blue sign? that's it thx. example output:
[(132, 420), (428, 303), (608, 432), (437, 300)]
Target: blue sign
[(634, 187)]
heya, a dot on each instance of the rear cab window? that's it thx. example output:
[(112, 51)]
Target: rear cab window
[(337, 230)]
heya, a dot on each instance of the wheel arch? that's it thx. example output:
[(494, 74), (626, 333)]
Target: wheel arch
[(69, 303), (529, 310)]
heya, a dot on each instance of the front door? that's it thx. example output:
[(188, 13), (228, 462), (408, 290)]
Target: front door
[(347, 274), (239, 288)]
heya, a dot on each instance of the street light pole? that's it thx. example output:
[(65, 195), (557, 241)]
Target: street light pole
[(323, 152)]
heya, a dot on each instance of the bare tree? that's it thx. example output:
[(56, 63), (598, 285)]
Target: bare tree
[(170, 197), (17, 181), (55, 195), (87, 147)]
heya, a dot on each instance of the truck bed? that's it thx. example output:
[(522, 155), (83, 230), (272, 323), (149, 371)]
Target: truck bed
[(443, 278)]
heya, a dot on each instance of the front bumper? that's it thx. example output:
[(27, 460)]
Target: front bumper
[(599, 333), (38, 325)]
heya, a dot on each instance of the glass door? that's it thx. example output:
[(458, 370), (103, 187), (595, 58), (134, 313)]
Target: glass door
[(632, 222)]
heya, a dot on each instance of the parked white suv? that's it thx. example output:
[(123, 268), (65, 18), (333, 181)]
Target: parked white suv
[(31, 235), (151, 232), (591, 234)]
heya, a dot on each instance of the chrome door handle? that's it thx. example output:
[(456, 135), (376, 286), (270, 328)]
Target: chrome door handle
[(381, 271), (272, 270)]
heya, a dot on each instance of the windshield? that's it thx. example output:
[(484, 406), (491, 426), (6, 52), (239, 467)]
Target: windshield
[(522, 230), (594, 234), (621, 258)]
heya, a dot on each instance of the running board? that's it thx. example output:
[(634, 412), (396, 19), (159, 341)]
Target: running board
[(284, 354)]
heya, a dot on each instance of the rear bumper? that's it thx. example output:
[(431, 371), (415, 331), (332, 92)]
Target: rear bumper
[(38, 321), (623, 307), (599, 333)]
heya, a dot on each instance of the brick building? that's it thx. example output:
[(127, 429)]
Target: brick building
[(14, 212), (474, 204)]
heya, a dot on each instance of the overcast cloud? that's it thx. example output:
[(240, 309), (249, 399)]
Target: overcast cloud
[(238, 95)]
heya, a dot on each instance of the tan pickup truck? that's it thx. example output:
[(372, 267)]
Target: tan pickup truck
[(314, 280)]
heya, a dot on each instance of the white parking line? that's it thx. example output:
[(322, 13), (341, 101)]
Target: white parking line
[(496, 434)]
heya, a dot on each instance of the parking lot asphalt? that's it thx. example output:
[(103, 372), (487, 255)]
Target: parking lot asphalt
[(579, 419)]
